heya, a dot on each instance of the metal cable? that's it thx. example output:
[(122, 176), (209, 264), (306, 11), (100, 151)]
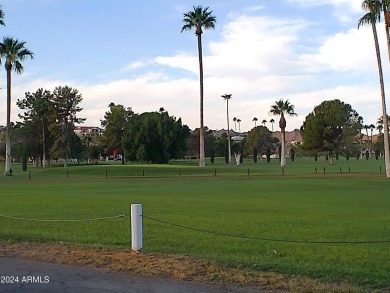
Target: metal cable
[(63, 220), (266, 239)]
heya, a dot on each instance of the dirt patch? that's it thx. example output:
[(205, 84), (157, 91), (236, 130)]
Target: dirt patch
[(168, 266)]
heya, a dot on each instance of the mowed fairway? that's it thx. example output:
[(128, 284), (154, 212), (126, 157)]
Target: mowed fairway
[(257, 222)]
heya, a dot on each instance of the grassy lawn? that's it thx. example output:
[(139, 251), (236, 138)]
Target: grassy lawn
[(297, 206)]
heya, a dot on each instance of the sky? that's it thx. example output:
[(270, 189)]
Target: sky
[(133, 53)]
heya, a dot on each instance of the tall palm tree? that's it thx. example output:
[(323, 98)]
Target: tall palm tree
[(199, 18), (386, 11), (372, 127), (366, 127), (263, 122), (239, 125), (373, 8), (254, 120), (235, 125), (379, 127), (12, 52), (272, 121), (227, 97), (281, 108)]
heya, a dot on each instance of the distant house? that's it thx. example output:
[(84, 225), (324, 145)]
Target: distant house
[(293, 137), (84, 130)]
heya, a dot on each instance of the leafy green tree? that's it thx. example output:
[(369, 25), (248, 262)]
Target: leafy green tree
[(260, 138), (12, 53), (209, 141), (281, 108), (37, 108), (255, 154), (373, 10), (114, 123), (198, 19), (154, 137), (26, 137), (328, 126), (221, 145), (65, 107)]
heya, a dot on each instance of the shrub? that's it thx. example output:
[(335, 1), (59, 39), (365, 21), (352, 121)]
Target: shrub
[(24, 160), (268, 155), (255, 154), (377, 153), (347, 155), (227, 157), (292, 154)]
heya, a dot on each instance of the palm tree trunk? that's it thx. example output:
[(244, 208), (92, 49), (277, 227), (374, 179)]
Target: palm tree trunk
[(387, 23), (282, 125), (283, 148), (201, 132), (384, 112), (229, 149), (8, 161)]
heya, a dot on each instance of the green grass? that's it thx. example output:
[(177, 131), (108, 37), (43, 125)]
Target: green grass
[(297, 206)]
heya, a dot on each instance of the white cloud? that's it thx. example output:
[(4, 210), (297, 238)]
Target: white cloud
[(135, 65), (355, 5), (344, 51), (345, 11), (256, 59)]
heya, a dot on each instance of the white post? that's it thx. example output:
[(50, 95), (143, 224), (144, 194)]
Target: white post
[(136, 227)]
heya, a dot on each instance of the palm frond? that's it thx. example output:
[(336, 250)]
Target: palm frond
[(365, 20), (13, 52), (198, 17)]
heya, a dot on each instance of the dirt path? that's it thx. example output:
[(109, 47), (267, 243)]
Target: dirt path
[(20, 275), (79, 268)]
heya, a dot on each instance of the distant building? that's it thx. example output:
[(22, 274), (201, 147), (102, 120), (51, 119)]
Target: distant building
[(291, 136), (84, 130)]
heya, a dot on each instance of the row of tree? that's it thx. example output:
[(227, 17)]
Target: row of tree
[(152, 137), (48, 123), (46, 131), (201, 17)]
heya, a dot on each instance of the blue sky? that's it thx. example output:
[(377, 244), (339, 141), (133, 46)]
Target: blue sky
[(133, 53)]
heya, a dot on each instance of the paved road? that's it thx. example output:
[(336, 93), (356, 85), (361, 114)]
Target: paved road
[(35, 276)]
